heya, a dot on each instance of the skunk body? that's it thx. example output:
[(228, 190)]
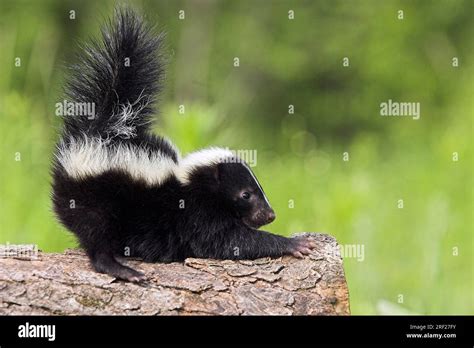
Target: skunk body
[(126, 192)]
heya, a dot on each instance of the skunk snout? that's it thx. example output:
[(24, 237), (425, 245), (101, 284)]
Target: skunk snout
[(270, 216), (264, 216)]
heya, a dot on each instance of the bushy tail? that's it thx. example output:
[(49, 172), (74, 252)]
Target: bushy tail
[(118, 77)]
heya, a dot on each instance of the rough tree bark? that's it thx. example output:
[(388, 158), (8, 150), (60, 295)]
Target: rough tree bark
[(65, 284)]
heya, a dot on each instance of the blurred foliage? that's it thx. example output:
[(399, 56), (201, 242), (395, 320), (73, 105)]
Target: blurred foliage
[(408, 251)]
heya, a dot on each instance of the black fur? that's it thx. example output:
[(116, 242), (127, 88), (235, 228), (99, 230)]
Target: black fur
[(115, 215), (104, 77)]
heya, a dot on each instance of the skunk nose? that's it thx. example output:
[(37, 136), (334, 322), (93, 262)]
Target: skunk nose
[(270, 216)]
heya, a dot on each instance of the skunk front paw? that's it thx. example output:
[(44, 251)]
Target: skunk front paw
[(300, 246)]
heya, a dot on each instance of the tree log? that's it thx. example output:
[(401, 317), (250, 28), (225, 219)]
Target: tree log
[(65, 284)]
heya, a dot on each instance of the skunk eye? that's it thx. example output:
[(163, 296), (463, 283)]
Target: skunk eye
[(245, 195)]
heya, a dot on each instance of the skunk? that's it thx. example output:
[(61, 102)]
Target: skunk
[(124, 191)]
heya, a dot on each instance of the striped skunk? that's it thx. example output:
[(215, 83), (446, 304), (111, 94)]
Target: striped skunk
[(124, 191)]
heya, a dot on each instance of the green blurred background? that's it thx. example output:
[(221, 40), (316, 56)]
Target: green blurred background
[(418, 259)]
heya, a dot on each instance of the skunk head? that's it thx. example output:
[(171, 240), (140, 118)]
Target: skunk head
[(228, 183), (242, 194)]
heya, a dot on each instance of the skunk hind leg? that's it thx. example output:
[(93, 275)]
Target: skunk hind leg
[(104, 262)]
